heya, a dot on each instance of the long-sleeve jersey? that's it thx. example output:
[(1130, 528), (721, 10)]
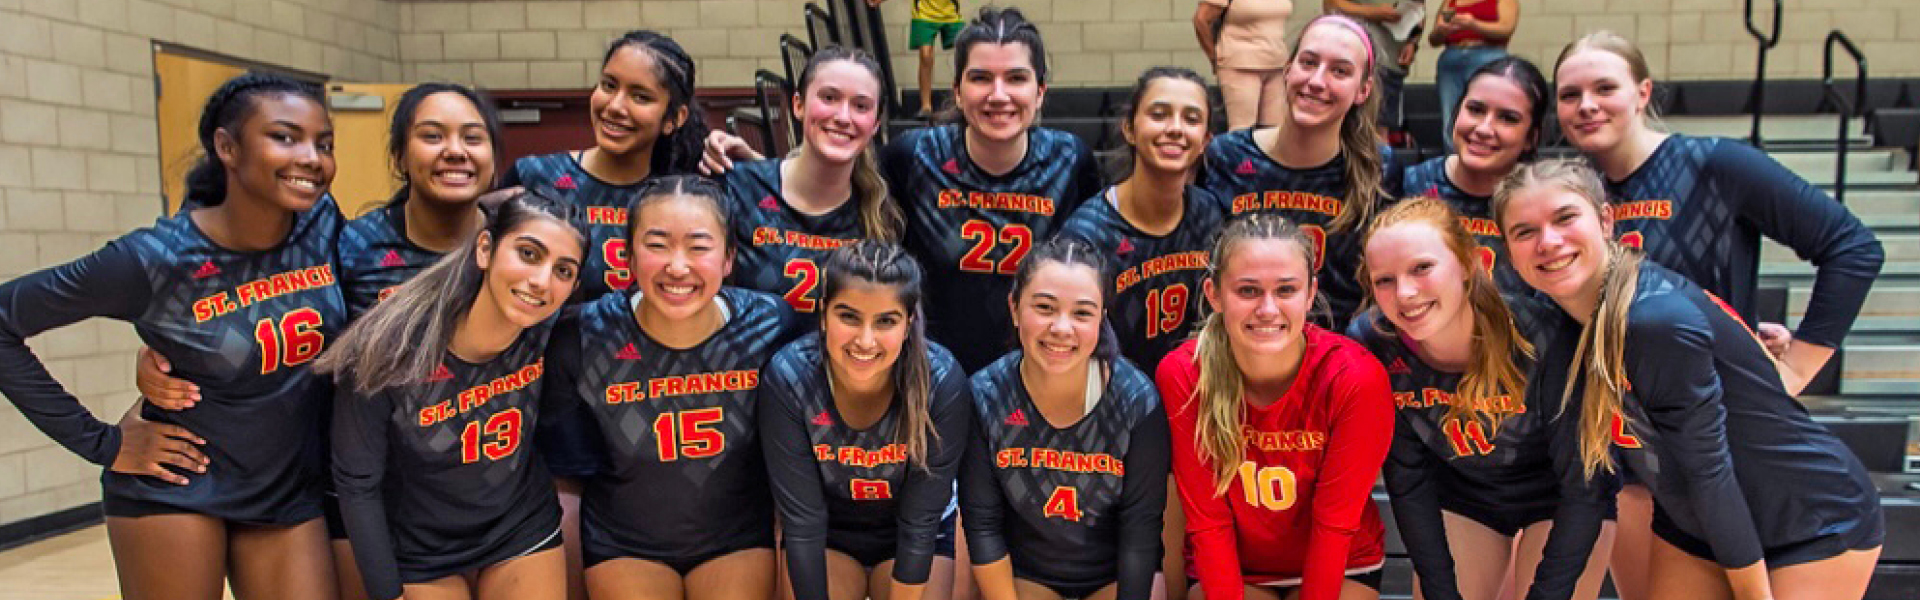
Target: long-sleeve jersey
[(1528, 465), (686, 476), (848, 487), (241, 325), (1730, 456), (432, 478), (779, 250), (1156, 278), (970, 229), (1476, 215), (376, 257), (1079, 505), (1699, 206), (1243, 176), (1300, 504), (608, 262)]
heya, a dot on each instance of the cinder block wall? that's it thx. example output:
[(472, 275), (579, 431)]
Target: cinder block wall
[(79, 165)]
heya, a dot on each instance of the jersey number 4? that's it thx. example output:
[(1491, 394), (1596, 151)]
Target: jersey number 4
[(1064, 503), (295, 339), (1166, 308), (504, 430), (985, 238), (808, 276), (1268, 487), (689, 434)]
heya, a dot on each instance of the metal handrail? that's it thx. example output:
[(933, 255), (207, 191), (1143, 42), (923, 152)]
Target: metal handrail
[(869, 33), (1756, 98), (817, 19), (761, 79), (790, 47), (1848, 110)]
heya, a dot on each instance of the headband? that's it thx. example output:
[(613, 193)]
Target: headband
[(1351, 25)]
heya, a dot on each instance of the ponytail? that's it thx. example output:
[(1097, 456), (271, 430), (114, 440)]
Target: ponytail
[(880, 218)]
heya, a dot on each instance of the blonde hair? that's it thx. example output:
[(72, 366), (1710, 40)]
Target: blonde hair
[(1222, 389), (1359, 135), (1599, 354), (1607, 41), (1491, 369)]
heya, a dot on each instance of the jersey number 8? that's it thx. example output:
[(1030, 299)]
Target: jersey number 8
[(1268, 487), (985, 236)]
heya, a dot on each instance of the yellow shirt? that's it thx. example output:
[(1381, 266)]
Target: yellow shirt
[(936, 11)]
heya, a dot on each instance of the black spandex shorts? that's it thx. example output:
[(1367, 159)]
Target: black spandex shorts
[(1067, 591), (114, 505), (1509, 522), (873, 550), (1868, 533), (595, 554)]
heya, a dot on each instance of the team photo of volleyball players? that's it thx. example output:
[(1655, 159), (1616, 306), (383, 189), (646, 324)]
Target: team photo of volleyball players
[(978, 357)]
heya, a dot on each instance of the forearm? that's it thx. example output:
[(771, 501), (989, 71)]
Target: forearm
[(995, 579)]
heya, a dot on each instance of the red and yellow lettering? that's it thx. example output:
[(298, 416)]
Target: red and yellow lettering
[(614, 251), (984, 236), (871, 489), (1166, 309), (503, 427), (295, 339), (689, 434), (808, 276), (1064, 503), (1467, 440)]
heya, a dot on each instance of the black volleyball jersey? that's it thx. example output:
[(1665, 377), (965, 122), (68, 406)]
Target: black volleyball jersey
[(1699, 206), (1476, 215), (1731, 458), (1079, 505), (845, 487), (1243, 176), (605, 205), (779, 250), (241, 325), (1156, 279), (685, 475), (436, 478), (376, 257), (970, 229), (1528, 465)]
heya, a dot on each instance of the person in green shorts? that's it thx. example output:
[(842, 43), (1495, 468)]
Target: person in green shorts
[(931, 19)]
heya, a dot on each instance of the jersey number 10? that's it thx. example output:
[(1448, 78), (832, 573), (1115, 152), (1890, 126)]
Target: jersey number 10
[(1268, 487)]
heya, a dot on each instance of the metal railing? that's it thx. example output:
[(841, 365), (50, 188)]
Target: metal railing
[(818, 20), (1848, 110), (870, 32), (763, 78), (1756, 98), (790, 49)]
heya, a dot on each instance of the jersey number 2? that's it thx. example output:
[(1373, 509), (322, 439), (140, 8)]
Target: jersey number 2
[(985, 236), (503, 427), (1064, 503), (295, 339), (689, 433), (808, 275), (1268, 487)]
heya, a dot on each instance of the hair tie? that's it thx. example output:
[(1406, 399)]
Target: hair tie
[(1366, 39)]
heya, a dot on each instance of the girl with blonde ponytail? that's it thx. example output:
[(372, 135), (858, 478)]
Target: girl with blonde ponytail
[(1477, 457), (1278, 429), (1323, 166), (1753, 499)]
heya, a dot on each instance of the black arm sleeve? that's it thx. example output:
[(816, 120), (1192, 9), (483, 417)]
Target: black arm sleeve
[(1415, 497), (981, 500), (796, 485), (1670, 363), (1845, 254), (359, 468), (107, 283), (1086, 183), (558, 398), (929, 490), (1576, 521), (1143, 504)]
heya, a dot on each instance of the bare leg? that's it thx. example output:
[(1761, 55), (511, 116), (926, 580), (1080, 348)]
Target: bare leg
[(536, 576), (633, 579), (926, 79), (1673, 573), (282, 563), (1028, 590), (1173, 537), (742, 575), (569, 490), (963, 588), (1633, 543), (1842, 577), (346, 572), (169, 557), (451, 587), (1533, 542)]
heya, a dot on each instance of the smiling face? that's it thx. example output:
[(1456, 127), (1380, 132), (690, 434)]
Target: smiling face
[(839, 110), (999, 93), (1168, 130), (1418, 281), (628, 108), (531, 270), (862, 333), (1328, 75), (1599, 100), (282, 152), (1557, 240), (1494, 125), (448, 155), (1057, 315), (1263, 292), (680, 255)]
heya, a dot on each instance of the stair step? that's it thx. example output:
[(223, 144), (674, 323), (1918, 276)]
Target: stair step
[(1900, 247), (1857, 161), (1797, 270), (1878, 361), (1888, 301), (1879, 387), (1773, 128)]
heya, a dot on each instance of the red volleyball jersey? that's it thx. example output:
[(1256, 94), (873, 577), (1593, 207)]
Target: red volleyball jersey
[(1299, 507)]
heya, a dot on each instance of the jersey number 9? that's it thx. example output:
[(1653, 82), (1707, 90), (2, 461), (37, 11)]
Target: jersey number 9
[(1268, 487), (614, 251)]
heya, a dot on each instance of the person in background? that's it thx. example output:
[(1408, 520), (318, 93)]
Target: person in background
[(1247, 48), (1396, 54), (1474, 33), (931, 19)]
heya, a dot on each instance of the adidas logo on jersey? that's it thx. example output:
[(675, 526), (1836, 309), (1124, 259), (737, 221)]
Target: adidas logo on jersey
[(1432, 192), (565, 182), (628, 353), (1126, 247), (1018, 418), (1245, 168), (952, 167), (823, 419), (206, 270), (770, 203), (392, 259), (1399, 367), (440, 373)]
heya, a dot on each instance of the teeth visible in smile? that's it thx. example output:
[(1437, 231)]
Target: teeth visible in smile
[(1417, 312), (455, 177), (1558, 264), (676, 289), (1061, 348), (529, 298), (1265, 328), (302, 182), (864, 357)]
